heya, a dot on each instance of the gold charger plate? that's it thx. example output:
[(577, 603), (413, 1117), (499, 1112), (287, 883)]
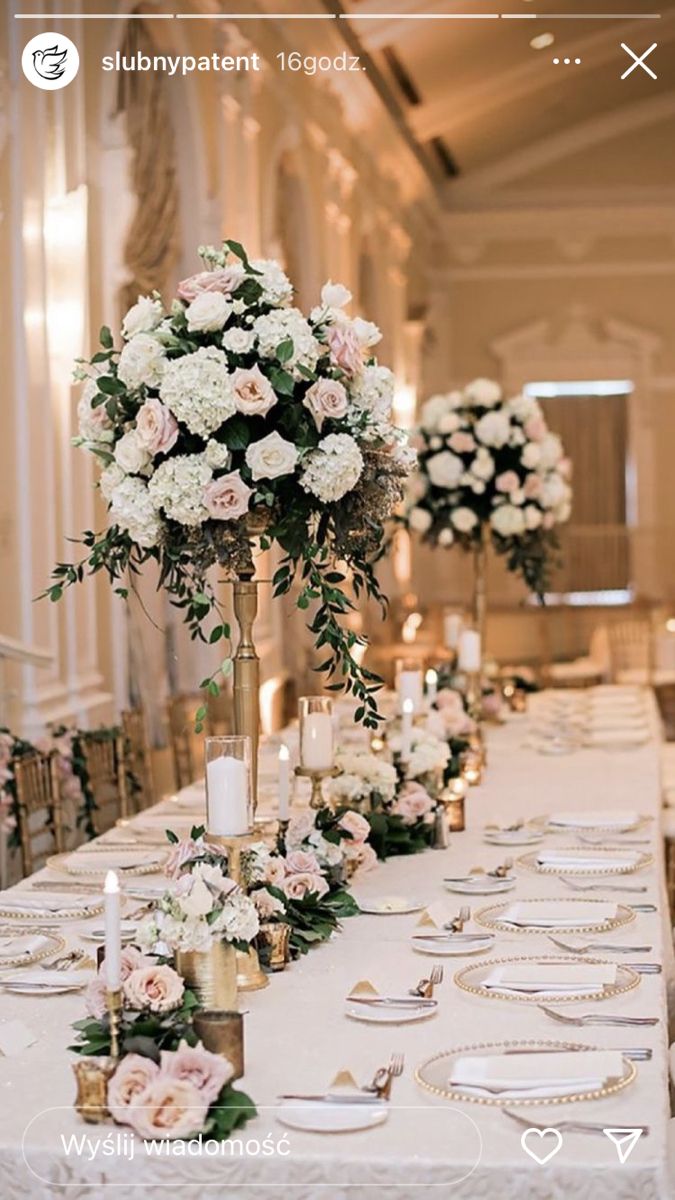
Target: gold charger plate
[(57, 944), (64, 863), (543, 823), (47, 917), (469, 979), (489, 918), (432, 1074), (529, 861)]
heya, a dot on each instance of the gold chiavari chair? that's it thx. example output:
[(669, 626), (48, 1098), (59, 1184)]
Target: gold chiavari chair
[(631, 651), (37, 793), (180, 712), (106, 767), (139, 754)]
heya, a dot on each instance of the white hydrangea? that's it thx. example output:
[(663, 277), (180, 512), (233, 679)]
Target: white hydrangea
[(238, 340), (333, 468), (533, 516), (177, 487), (551, 451), (277, 288), (238, 921), (493, 429), (446, 537), (508, 521), (110, 479), (531, 455), (435, 408), (133, 509), (373, 389), (524, 407), (143, 316), (482, 393), (445, 469), (217, 455), (483, 465), (554, 490), (198, 390), (464, 519), (142, 362), (403, 453), (276, 327), (419, 519)]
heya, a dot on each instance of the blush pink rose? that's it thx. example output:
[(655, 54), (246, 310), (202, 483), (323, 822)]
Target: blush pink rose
[(413, 803), (207, 1072), (360, 856), (532, 487), (356, 826), (156, 426), (346, 350), (158, 988), (168, 1108), (225, 280), (275, 872), (508, 481), (296, 887), (548, 520), (299, 862), (326, 398), (450, 700), (227, 498), (253, 392), (462, 443), (535, 429), (134, 1074)]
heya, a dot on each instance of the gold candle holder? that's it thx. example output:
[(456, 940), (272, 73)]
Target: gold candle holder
[(113, 1001), (273, 938), (246, 672), (453, 797), (222, 1032), (236, 848), (474, 695), (472, 768), (317, 776), (92, 1076)]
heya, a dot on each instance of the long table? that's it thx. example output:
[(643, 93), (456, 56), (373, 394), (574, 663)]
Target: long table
[(298, 1037)]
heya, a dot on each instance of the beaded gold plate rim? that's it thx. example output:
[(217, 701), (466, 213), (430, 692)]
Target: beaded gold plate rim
[(544, 823), (606, 993), (27, 960), (609, 1089), (58, 862), (529, 862), (483, 918), (48, 916)]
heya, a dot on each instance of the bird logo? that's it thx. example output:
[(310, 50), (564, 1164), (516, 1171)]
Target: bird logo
[(50, 64)]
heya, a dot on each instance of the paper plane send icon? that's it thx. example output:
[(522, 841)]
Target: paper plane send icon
[(625, 1141)]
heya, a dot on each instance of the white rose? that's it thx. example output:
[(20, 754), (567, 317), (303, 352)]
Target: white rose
[(482, 393), (530, 455), (143, 316), (208, 312), (238, 341), (445, 469), (142, 361), (131, 454), (449, 423), (419, 519), (464, 519), (554, 491), (446, 537), (493, 429), (199, 900), (110, 479), (532, 516), (217, 455), (366, 331), (335, 295), (551, 450), (508, 521), (271, 457)]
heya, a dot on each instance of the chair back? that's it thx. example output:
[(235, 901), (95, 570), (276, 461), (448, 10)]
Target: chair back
[(631, 649), (39, 808), (106, 767), (182, 738), (139, 756)]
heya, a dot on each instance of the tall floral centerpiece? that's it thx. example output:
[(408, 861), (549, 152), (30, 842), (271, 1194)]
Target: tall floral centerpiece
[(230, 417), (491, 472)]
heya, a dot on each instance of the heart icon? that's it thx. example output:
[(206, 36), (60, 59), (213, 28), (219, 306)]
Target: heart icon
[(538, 1151)]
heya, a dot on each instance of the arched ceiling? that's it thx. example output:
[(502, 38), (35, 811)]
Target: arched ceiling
[(502, 122)]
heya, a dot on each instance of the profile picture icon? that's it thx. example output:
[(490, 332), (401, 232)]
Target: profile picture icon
[(50, 61)]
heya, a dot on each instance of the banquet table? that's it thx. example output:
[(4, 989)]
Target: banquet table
[(297, 1035)]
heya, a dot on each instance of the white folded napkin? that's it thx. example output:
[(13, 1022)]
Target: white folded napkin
[(83, 860), (45, 902), (11, 947), (578, 912), (537, 1073), (40, 976), (571, 978), (596, 818), (588, 860)]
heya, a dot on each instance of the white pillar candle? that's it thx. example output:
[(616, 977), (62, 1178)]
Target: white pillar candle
[(284, 787), (406, 729), (431, 680), (452, 628), (113, 932), (469, 651), (316, 750), (410, 688), (227, 796)]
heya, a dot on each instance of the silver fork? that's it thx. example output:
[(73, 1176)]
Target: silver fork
[(601, 887), (425, 987), (457, 923), (592, 946), (382, 1078), (64, 961), (596, 1018), (566, 1126)]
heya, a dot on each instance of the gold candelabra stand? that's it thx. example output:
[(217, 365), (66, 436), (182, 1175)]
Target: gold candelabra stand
[(317, 776), (246, 672)]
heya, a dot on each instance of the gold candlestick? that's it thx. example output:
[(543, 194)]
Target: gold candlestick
[(474, 695), (246, 673), (113, 1001), (236, 847), (317, 776)]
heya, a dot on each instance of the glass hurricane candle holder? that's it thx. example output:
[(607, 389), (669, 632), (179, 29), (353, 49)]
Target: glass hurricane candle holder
[(229, 796), (409, 683), (316, 733)]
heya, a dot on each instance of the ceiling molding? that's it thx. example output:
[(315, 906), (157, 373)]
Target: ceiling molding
[(456, 109), (575, 221), (554, 148)]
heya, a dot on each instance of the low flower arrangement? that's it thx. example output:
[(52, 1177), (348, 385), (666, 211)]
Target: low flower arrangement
[(489, 467), (296, 888), (449, 721), (228, 417), (166, 1084)]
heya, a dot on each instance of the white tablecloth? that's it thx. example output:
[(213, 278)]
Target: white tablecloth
[(297, 1037)]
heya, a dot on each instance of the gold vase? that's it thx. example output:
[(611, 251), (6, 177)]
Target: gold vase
[(211, 974), (246, 673), (250, 975)]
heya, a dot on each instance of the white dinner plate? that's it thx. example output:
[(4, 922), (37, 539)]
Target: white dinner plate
[(380, 1014), (323, 1117), (480, 885), (128, 930), (516, 837), (390, 905), (449, 949)]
